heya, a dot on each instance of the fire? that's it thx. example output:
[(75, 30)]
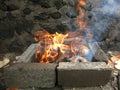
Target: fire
[(51, 44), (55, 47), (80, 18), (80, 4)]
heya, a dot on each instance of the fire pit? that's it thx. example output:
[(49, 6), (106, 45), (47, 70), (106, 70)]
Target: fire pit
[(26, 73), (64, 60)]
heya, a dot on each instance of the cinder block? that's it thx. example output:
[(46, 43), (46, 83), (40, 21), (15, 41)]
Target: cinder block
[(86, 74), (28, 55), (108, 86), (54, 88), (30, 75)]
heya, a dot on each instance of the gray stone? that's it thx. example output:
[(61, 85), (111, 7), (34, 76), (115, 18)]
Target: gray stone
[(27, 56), (27, 11), (54, 88), (42, 16), (83, 74), (56, 15), (106, 87), (100, 55), (30, 75)]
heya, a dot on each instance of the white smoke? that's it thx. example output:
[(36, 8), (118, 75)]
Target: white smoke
[(109, 7)]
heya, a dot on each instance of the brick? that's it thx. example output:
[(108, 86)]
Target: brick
[(25, 75), (83, 74)]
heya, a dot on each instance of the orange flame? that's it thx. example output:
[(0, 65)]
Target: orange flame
[(51, 45), (80, 18)]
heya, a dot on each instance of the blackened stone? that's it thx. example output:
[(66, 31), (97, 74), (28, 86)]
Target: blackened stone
[(62, 28), (72, 12), (24, 26), (56, 15), (9, 16), (16, 46), (42, 16), (90, 16), (6, 34), (70, 15), (34, 1), (12, 7), (59, 4), (6, 30), (45, 5), (3, 7), (27, 11)]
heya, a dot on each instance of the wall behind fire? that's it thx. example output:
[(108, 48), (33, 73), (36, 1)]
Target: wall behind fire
[(19, 19)]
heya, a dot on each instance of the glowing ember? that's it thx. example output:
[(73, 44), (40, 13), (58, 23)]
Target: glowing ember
[(55, 47)]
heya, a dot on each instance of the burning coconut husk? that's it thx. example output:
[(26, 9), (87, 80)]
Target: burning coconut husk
[(71, 46)]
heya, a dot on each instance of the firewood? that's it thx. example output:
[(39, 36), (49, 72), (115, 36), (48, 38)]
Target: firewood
[(61, 57), (77, 59)]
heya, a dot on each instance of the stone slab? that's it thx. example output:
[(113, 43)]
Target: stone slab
[(24, 75), (83, 74), (28, 55), (35, 88)]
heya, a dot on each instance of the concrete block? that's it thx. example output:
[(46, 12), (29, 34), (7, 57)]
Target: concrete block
[(54, 88), (28, 55), (84, 74), (25, 75)]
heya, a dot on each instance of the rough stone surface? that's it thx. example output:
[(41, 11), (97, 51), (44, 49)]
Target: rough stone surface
[(55, 88), (83, 74), (30, 75), (106, 87), (119, 80), (27, 56)]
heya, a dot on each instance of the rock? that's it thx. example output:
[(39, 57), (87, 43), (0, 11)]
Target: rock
[(56, 15), (9, 16), (20, 42), (12, 7), (16, 46), (2, 14), (100, 55), (3, 7), (118, 36), (45, 5), (34, 1), (23, 26), (27, 11), (59, 4), (42, 16), (62, 28), (6, 30)]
